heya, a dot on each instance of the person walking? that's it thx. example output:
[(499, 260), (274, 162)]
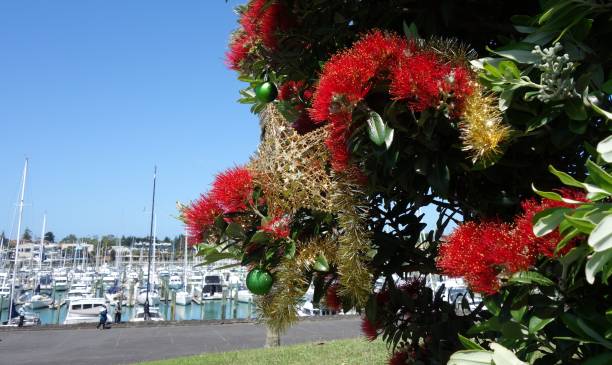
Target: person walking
[(21, 316), (118, 311), (103, 318)]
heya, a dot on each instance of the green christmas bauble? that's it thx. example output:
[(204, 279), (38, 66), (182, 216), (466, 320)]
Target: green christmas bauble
[(259, 281), (266, 92)]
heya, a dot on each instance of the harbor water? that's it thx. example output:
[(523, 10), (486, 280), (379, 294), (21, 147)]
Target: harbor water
[(208, 310)]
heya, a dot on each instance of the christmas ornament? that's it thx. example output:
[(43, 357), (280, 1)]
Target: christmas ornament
[(259, 281), (266, 92)]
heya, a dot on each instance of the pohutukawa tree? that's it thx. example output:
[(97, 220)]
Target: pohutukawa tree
[(494, 116)]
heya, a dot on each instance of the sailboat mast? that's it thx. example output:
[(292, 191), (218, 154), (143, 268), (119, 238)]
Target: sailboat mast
[(185, 264), (21, 196), (42, 242), (147, 313)]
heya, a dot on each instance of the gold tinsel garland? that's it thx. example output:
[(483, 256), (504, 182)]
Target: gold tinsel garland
[(482, 129), (279, 307), (293, 172)]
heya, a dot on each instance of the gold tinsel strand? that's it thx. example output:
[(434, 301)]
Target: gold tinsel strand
[(354, 243), (279, 307), (481, 127)]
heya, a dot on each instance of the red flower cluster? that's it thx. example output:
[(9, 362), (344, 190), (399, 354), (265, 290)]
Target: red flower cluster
[(419, 77), (260, 22), (199, 216), (233, 189), (481, 252), (369, 329), (345, 81), (401, 357), (331, 298), (277, 227), (425, 82), (230, 193)]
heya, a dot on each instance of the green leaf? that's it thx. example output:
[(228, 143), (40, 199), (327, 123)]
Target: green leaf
[(584, 225), (469, 344), (530, 277), (604, 148), (321, 264), (552, 11), (518, 55), (234, 230), (378, 131), (574, 108), (260, 237), (505, 99), (439, 178), (503, 356), (599, 176), (565, 178), (593, 334), (553, 196), (471, 357), (290, 249), (410, 31), (601, 236), (548, 220), (536, 324), (601, 359), (596, 263)]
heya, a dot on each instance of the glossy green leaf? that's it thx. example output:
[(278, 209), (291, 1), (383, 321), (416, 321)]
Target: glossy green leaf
[(378, 131), (601, 359), (471, 357), (260, 237), (234, 230), (565, 178), (601, 236), (596, 263), (503, 356), (530, 277), (469, 344), (604, 148), (548, 220), (536, 324), (584, 225), (599, 176)]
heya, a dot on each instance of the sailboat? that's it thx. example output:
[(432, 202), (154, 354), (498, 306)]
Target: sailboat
[(183, 297)]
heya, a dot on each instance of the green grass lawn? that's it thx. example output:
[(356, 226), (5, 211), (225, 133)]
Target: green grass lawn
[(339, 352)]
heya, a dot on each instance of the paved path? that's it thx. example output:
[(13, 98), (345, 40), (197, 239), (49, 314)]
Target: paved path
[(126, 345)]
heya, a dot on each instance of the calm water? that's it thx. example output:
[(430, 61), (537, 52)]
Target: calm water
[(210, 309)]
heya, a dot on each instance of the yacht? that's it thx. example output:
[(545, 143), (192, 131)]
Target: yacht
[(153, 297), (183, 297), (154, 312), (85, 310), (175, 282), (60, 283), (213, 286)]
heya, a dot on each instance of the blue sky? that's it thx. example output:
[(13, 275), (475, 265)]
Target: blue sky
[(95, 92)]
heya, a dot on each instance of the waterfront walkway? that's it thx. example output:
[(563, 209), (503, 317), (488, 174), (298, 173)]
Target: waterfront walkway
[(124, 345)]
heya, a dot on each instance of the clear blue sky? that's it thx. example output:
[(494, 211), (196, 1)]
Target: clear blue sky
[(95, 92)]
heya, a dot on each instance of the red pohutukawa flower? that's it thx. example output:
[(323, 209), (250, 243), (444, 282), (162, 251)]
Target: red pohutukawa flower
[(484, 252), (232, 190), (331, 298), (547, 244), (277, 227), (425, 82), (481, 251), (370, 330), (199, 217), (238, 52), (400, 357), (418, 77)]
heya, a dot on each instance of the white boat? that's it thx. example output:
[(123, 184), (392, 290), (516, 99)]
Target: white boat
[(78, 292), (155, 316), (60, 283), (86, 310), (175, 282), (40, 301), (5, 296), (213, 286), (153, 297), (183, 298)]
